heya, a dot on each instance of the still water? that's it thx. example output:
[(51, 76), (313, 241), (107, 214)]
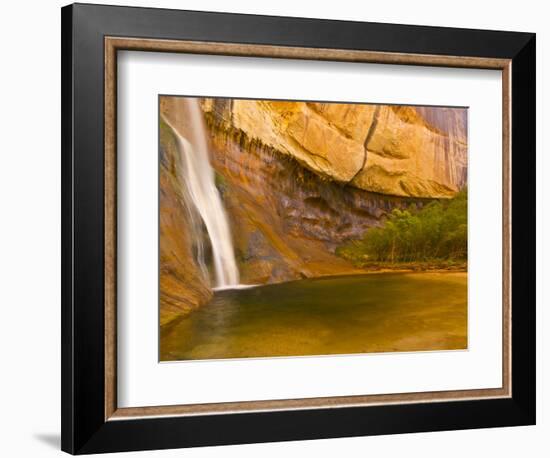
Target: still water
[(326, 316)]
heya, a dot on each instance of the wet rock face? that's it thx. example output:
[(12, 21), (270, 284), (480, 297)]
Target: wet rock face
[(325, 210), (393, 150)]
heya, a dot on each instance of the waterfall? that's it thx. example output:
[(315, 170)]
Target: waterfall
[(199, 180)]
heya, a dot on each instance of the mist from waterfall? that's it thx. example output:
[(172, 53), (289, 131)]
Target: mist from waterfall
[(199, 180)]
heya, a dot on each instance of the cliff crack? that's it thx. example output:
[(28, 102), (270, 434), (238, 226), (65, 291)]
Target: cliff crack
[(370, 133)]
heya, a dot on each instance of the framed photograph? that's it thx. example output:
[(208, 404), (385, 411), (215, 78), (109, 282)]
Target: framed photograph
[(283, 228)]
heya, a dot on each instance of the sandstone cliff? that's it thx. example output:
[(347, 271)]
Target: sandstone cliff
[(287, 219), (393, 150)]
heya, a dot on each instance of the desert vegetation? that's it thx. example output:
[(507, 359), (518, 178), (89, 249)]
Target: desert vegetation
[(435, 234)]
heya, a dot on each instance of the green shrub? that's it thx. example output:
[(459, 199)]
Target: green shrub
[(439, 230)]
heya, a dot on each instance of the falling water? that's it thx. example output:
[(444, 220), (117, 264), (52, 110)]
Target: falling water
[(201, 187)]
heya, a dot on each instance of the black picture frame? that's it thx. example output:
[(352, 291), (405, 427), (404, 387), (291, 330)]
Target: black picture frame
[(84, 427)]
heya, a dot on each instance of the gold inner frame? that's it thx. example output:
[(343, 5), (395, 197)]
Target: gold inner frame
[(114, 44)]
